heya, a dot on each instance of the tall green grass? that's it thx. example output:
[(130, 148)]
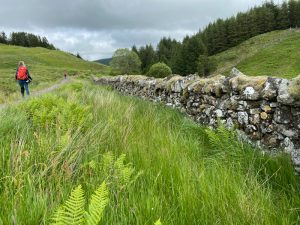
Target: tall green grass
[(182, 173)]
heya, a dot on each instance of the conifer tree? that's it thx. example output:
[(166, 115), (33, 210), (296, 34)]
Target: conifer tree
[(3, 38), (148, 57), (283, 21)]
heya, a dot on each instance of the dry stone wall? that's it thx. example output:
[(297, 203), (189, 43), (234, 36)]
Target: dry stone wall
[(262, 108)]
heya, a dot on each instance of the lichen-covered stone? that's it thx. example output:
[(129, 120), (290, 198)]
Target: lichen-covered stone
[(264, 115), (283, 115), (294, 88), (243, 118), (240, 83), (271, 88)]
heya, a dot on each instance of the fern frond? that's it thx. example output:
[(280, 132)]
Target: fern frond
[(99, 201), (126, 174), (57, 218), (119, 163), (73, 212), (107, 162), (158, 222)]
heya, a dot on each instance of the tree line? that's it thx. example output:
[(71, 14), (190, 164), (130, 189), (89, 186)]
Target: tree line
[(26, 40), (192, 54)]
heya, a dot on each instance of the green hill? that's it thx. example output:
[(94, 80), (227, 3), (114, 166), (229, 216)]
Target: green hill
[(104, 61), (46, 67), (275, 54)]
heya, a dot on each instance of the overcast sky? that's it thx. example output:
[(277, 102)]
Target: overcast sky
[(96, 28)]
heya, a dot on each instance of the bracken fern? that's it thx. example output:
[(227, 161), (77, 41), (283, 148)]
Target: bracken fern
[(99, 200), (73, 213)]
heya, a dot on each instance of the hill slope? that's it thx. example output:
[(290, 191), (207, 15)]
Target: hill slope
[(273, 53), (46, 66), (104, 61)]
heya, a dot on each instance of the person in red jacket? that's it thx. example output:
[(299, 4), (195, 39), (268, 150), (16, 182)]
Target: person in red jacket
[(23, 77)]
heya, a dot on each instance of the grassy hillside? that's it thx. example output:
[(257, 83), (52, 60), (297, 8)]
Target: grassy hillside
[(173, 169), (275, 53), (104, 61), (46, 67)]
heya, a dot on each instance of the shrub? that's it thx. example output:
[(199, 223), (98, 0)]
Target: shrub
[(160, 70), (125, 61)]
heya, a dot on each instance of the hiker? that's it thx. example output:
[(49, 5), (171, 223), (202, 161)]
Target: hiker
[(65, 74), (23, 77)]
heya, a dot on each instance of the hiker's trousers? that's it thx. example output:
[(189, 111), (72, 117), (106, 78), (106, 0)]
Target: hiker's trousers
[(24, 86)]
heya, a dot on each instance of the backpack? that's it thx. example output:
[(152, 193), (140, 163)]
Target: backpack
[(22, 73)]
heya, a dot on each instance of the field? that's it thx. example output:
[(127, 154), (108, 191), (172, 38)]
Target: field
[(274, 54), (46, 67), (156, 164)]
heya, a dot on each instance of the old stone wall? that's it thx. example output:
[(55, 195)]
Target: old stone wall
[(262, 108)]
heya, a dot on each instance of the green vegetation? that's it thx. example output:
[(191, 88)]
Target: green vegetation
[(173, 169), (125, 61), (72, 212), (25, 39), (223, 34), (159, 70), (206, 65), (45, 66), (268, 54)]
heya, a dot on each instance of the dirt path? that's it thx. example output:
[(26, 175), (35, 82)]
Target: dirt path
[(38, 93)]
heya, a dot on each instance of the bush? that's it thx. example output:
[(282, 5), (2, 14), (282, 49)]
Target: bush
[(125, 61), (160, 70)]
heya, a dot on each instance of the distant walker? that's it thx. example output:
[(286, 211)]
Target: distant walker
[(23, 77), (65, 74)]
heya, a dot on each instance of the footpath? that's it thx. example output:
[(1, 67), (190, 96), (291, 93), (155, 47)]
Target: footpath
[(38, 93)]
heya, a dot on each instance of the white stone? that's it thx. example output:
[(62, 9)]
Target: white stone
[(219, 113), (243, 118)]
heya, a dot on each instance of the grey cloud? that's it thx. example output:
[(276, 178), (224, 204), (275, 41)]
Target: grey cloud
[(118, 14), (102, 26)]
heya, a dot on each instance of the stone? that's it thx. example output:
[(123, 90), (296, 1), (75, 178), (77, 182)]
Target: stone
[(270, 89), (235, 72), (288, 145), (254, 111), (282, 129), (209, 110), (284, 97), (282, 115), (243, 118), (272, 142), (264, 115), (219, 113), (265, 128), (255, 119), (242, 106), (250, 94), (250, 128), (273, 104), (229, 123), (266, 108), (295, 111)]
